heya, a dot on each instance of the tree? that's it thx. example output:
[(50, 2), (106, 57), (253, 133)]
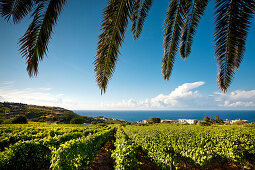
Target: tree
[(155, 120), (217, 118), (233, 20), (20, 119), (77, 121), (206, 119)]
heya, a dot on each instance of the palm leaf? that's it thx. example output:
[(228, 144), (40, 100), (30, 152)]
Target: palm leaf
[(34, 44), (191, 22), (174, 22), (232, 25), (15, 10), (139, 14), (114, 26)]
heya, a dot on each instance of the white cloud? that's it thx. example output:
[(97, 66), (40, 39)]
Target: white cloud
[(188, 97), (185, 96), (237, 98), (174, 98), (36, 96), (181, 97), (7, 83)]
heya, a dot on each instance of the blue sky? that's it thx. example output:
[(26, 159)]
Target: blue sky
[(67, 79)]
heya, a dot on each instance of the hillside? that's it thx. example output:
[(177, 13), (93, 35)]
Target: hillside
[(41, 113)]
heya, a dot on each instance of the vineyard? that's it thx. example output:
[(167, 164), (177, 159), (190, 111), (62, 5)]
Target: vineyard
[(158, 146)]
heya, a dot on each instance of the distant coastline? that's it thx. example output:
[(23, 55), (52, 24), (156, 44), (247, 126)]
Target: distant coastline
[(138, 115)]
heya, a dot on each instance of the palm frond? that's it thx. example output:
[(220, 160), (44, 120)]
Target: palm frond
[(174, 22), (190, 24), (15, 10), (232, 24), (34, 43), (114, 27), (139, 13)]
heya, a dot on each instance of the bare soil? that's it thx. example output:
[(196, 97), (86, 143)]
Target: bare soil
[(103, 159), (145, 162)]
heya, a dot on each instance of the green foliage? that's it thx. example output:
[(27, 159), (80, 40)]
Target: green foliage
[(77, 121), (155, 120), (125, 152), (20, 119), (233, 21), (172, 145), (217, 118), (38, 113), (78, 153), (33, 145), (206, 119), (141, 9), (114, 26), (204, 123), (27, 155), (93, 122)]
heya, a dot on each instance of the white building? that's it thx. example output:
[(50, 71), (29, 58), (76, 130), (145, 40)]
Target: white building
[(238, 121), (142, 121), (189, 121), (168, 121)]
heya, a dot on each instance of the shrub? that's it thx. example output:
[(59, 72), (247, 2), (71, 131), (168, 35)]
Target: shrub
[(20, 119), (77, 121), (203, 123), (155, 120)]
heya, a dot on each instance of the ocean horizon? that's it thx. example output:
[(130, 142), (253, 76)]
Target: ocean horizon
[(136, 115)]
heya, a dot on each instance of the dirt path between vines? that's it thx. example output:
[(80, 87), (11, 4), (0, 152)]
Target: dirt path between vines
[(145, 162), (103, 159)]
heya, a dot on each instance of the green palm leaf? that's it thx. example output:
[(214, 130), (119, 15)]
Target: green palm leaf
[(174, 22), (139, 14), (232, 25), (34, 44), (114, 27), (191, 22), (16, 9)]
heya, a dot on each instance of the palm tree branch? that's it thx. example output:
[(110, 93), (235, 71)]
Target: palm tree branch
[(15, 10), (34, 43), (140, 12), (191, 22), (232, 24), (114, 26), (174, 22)]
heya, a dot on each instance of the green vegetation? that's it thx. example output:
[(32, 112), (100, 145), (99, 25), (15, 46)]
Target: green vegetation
[(154, 120), (209, 121), (73, 146), (19, 119), (170, 145), (78, 153), (9, 112), (125, 152), (27, 154), (77, 121), (40, 145)]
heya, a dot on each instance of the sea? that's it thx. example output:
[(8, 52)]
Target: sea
[(133, 115)]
